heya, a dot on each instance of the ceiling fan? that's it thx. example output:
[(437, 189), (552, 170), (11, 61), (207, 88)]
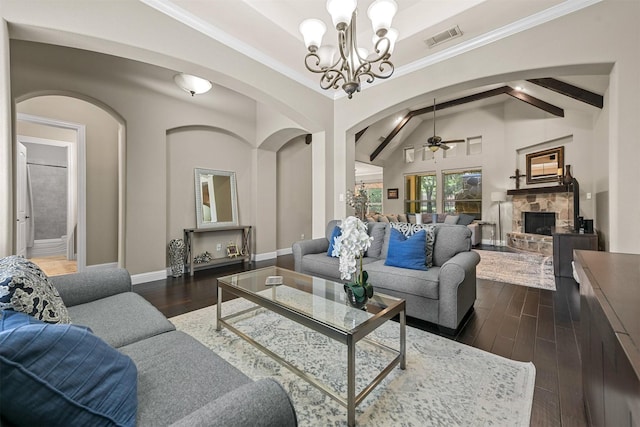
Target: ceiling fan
[(434, 142)]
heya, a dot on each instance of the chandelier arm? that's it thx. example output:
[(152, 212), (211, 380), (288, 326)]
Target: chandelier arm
[(385, 70), (331, 79)]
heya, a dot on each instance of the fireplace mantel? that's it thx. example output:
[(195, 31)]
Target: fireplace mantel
[(539, 190)]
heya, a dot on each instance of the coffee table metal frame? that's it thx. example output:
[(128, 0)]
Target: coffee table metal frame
[(348, 337)]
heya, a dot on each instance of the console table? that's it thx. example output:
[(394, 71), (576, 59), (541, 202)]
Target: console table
[(610, 336), (190, 234)]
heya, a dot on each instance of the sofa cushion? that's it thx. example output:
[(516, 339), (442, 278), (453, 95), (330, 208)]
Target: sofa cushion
[(337, 231), (61, 375), (413, 282), (178, 375), (407, 252), (377, 231), (24, 287), (122, 318), (322, 265), (331, 225), (402, 218), (450, 240)]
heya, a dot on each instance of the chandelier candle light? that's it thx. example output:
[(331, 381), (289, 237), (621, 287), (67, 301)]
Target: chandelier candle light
[(352, 63)]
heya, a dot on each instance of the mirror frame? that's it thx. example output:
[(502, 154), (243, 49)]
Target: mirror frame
[(558, 151), (198, 172)]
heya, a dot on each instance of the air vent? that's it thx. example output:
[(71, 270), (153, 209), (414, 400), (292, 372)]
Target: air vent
[(443, 36)]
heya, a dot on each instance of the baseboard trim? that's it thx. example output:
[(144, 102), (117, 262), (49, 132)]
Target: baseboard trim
[(48, 247), (265, 256), (107, 266), (151, 276), (285, 251)]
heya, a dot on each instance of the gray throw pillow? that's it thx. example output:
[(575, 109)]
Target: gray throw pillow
[(25, 288), (465, 219), (451, 219), (377, 231)]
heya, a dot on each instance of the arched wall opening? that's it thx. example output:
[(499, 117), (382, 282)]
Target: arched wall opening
[(208, 147), (98, 210)]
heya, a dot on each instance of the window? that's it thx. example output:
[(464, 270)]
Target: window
[(409, 155), (462, 192), (420, 192), (474, 146), (374, 194)]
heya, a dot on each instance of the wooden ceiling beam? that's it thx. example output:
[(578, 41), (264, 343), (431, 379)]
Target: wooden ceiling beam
[(429, 109), (571, 91), (545, 106), (359, 134), (503, 90)]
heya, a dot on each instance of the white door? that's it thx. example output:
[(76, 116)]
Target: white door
[(21, 201)]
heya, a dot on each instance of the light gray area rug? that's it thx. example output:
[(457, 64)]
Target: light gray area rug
[(446, 383), (520, 268)]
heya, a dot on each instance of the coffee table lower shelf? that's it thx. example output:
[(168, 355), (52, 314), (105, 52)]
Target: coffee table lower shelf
[(352, 400)]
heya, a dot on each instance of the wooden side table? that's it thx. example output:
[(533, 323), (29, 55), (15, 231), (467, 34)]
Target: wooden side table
[(564, 242)]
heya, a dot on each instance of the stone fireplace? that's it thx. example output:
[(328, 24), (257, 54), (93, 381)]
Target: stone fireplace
[(556, 206)]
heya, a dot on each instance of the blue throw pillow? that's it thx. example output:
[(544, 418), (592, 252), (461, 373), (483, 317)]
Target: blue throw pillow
[(407, 252), (337, 231), (62, 375)]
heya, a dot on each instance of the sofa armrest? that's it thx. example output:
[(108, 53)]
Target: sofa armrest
[(80, 288), (304, 247), (261, 403), (457, 291)]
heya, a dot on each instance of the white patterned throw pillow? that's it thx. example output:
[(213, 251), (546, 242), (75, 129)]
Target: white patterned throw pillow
[(24, 287)]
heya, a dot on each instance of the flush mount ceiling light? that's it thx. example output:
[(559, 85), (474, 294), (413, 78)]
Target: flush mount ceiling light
[(192, 84), (352, 63)]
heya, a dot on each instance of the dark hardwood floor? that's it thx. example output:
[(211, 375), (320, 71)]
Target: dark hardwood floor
[(512, 321)]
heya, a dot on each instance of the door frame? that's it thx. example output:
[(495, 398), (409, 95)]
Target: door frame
[(77, 172)]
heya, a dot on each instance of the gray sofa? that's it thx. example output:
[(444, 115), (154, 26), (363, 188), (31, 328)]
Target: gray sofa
[(180, 381), (443, 295)]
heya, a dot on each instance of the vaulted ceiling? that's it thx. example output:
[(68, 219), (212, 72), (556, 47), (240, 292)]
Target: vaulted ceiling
[(267, 30)]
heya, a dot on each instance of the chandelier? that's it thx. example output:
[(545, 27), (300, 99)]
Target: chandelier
[(348, 63)]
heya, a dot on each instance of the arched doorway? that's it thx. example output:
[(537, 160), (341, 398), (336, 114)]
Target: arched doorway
[(88, 188)]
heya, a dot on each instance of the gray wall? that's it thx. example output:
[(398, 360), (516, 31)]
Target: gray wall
[(294, 192)]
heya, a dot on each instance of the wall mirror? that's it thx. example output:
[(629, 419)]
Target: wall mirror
[(545, 166), (216, 198)]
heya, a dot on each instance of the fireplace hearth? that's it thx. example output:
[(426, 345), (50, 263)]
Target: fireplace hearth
[(539, 222)]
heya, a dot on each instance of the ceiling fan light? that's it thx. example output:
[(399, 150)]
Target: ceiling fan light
[(312, 31), (433, 148), (341, 11), (192, 84), (381, 13)]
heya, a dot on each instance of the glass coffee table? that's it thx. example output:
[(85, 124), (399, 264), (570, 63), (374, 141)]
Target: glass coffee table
[(320, 305)]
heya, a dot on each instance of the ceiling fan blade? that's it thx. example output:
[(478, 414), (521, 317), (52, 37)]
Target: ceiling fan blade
[(444, 147), (454, 141)]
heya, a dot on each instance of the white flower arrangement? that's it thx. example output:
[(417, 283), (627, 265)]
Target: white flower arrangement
[(350, 246)]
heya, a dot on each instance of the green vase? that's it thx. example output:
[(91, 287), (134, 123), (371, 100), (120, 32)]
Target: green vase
[(357, 294)]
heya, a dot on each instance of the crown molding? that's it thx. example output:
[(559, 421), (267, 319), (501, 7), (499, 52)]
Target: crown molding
[(179, 14)]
